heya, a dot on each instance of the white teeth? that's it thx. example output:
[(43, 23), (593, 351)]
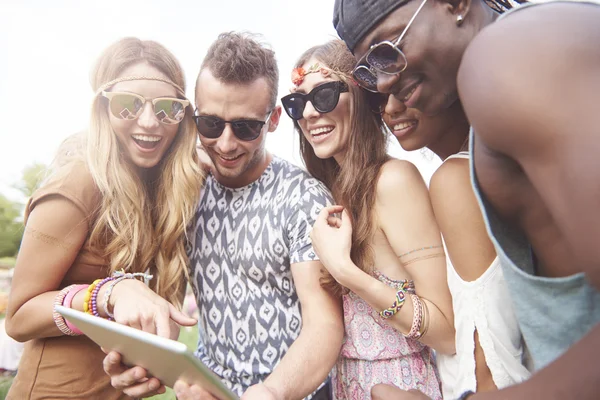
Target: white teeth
[(404, 125), (230, 158), (410, 93), (318, 131), (145, 138)]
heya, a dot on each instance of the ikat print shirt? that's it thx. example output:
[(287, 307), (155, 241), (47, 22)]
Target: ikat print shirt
[(240, 254)]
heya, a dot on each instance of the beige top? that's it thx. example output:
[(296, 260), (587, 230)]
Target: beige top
[(67, 367)]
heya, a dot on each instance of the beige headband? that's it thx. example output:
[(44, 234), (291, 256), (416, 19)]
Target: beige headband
[(139, 78)]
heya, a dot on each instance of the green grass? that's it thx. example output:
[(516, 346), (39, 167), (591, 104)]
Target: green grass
[(8, 261), (189, 336)]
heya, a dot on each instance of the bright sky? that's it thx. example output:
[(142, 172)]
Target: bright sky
[(48, 49)]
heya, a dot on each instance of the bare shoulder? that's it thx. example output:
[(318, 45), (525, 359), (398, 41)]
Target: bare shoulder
[(516, 69), (398, 176), (451, 176)]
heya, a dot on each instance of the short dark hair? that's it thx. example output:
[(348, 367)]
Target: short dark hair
[(240, 58)]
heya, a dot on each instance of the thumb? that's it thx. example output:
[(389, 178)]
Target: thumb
[(180, 317), (346, 221)]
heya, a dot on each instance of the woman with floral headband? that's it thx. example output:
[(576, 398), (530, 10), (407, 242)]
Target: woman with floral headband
[(114, 208), (384, 254)]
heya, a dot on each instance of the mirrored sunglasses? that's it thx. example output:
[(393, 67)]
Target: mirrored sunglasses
[(324, 99), (129, 106)]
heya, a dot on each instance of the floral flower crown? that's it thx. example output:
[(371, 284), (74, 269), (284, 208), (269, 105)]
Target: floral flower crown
[(299, 73)]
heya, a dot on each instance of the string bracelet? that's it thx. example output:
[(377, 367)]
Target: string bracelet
[(425, 324), (415, 328), (117, 277)]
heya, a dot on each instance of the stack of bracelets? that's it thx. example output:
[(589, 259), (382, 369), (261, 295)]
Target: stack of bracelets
[(90, 302), (420, 321)]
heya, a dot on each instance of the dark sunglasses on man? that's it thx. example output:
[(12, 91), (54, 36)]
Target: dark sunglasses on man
[(212, 127), (383, 57), (324, 99)]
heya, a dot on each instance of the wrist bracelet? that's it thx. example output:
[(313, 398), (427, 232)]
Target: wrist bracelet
[(396, 305), (59, 319), (415, 328), (466, 395)]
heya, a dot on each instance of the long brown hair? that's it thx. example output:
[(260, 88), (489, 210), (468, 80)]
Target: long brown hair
[(354, 183)]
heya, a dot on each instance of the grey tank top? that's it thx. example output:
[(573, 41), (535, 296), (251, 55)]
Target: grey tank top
[(553, 313)]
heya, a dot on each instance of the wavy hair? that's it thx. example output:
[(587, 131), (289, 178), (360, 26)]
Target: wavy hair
[(141, 223), (354, 183)]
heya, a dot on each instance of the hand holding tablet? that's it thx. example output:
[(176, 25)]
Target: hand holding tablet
[(165, 359)]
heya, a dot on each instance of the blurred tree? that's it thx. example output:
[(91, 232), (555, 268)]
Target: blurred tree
[(11, 229), (33, 175), (11, 225)]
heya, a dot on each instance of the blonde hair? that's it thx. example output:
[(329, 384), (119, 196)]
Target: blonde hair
[(141, 226)]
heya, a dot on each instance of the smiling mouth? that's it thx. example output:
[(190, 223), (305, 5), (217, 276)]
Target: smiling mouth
[(401, 126), (230, 158), (321, 131), (147, 142)]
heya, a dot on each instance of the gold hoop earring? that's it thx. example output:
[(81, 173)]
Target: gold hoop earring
[(459, 20)]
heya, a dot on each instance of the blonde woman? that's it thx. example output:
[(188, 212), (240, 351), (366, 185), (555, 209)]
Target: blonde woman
[(115, 206)]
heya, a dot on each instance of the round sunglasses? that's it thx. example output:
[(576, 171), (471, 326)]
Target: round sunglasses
[(383, 57), (212, 127), (324, 99), (129, 106)]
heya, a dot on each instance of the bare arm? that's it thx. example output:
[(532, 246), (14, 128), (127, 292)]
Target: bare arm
[(313, 354), (404, 215), (530, 85), (54, 234), (467, 242)]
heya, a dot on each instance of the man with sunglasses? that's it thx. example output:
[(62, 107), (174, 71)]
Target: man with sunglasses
[(267, 327), (534, 159)]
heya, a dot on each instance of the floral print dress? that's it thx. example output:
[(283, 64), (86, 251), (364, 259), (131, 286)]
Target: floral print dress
[(374, 352)]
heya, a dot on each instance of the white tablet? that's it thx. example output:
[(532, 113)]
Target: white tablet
[(165, 359)]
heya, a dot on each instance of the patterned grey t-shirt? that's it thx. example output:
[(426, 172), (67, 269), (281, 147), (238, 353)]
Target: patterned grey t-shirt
[(245, 240)]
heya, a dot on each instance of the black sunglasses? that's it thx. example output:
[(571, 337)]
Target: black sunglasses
[(324, 99), (212, 127)]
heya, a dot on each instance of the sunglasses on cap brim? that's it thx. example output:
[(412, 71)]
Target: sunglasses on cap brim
[(129, 106)]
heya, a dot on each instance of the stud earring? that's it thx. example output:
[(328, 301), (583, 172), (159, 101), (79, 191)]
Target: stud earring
[(459, 20)]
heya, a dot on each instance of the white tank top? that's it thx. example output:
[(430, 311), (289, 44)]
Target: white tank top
[(483, 305)]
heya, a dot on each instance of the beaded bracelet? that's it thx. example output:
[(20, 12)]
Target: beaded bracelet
[(415, 328), (88, 294), (58, 319), (396, 306), (94, 296)]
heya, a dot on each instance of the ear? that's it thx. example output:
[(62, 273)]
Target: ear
[(458, 8), (274, 119)]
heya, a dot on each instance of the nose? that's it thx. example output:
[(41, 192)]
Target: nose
[(394, 107), (309, 111), (386, 83), (227, 143), (147, 119)]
